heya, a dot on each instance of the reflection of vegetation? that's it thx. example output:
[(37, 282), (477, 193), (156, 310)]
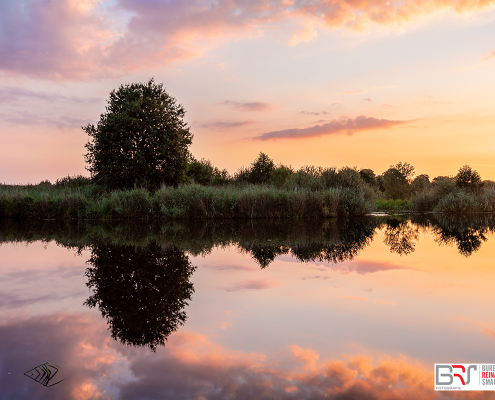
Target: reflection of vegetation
[(401, 236), (468, 234), (141, 291), (332, 240)]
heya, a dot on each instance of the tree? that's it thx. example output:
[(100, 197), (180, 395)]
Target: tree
[(141, 139), (468, 178), (405, 169), (395, 184), (368, 176), (261, 169), (420, 183)]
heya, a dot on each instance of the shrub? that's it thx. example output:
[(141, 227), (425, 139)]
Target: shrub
[(73, 181)]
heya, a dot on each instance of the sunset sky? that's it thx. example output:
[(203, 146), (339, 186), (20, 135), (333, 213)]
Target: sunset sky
[(364, 83)]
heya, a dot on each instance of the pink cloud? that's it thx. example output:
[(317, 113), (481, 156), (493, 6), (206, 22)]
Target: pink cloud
[(253, 106), (343, 125), (363, 267), (69, 39), (227, 124), (251, 284)]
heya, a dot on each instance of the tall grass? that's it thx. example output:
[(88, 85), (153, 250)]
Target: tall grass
[(186, 202)]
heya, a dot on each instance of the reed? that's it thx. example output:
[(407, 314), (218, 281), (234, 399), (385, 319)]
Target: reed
[(191, 201)]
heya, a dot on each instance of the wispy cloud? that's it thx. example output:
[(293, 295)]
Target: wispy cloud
[(314, 113), (251, 284), (367, 99), (249, 106), (343, 125), (489, 55), (363, 267), (356, 91), (9, 94), (23, 118), (227, 124)]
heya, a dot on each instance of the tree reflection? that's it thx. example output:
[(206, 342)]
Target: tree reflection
[(141, 291), (468, 234), (334, 242), (401, 236)]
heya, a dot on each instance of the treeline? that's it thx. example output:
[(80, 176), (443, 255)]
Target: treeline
[(261, 190), (398, 188)]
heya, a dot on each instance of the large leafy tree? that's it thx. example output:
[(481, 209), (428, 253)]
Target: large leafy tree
[(141, 139)]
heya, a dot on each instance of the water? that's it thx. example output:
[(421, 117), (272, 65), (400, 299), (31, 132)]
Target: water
[(257, 310)]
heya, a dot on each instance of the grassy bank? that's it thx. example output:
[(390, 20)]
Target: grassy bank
[(191, 201)]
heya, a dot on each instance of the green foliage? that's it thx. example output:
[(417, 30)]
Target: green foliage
[(468, 178), (204, 173), (392, 205), (420, 184), (279, 176), (349, 178), (73, 181), (368, 176), (141, 140), (307, 177), (396, 184)]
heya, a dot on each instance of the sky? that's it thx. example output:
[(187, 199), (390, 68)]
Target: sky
[(360, 83)]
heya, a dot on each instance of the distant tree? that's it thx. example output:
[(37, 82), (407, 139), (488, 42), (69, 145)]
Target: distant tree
[(405, 169), (395, 184), (204, 173), (141, 139), (420, 183), (468, 178), (368, 176), (280, 174), (261, 169)]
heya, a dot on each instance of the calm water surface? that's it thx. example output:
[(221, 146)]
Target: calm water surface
[(357, 309)]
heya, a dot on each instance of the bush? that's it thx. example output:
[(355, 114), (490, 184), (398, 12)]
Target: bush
[(73, 181), (204, 173), (279, 176), (458, 202)]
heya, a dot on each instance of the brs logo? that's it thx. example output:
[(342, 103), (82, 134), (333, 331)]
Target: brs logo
[(447, 378)]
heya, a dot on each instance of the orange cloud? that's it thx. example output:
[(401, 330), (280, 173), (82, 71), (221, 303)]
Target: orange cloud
[(334, 127)]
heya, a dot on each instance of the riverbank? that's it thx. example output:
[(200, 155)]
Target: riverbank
[(191, 201)]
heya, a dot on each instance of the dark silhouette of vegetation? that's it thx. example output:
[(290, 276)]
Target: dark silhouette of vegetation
[(368, 176), (333, 240), (401, 236), (469, 179), (204, 173), (142, 292), (140, 141)]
